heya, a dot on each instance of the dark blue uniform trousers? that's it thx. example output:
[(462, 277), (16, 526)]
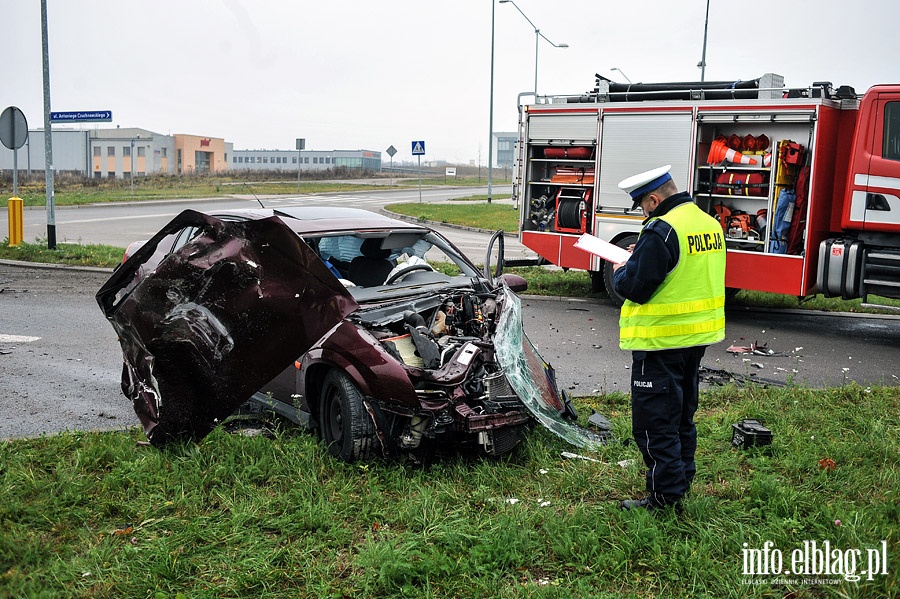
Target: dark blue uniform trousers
[(664, 389)]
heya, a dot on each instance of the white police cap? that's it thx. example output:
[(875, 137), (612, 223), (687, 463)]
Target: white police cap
[(637, 185)]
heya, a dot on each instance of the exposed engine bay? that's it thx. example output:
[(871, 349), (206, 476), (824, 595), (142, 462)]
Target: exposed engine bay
[(426, 333), (445, 341)]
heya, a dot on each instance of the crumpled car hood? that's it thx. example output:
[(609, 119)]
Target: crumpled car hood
[(216, 320)]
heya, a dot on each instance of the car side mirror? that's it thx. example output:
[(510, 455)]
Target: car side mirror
[(514, 282)]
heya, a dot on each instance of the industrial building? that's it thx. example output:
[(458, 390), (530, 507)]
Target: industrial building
[(308, 160), (118, 153), (505, 148)]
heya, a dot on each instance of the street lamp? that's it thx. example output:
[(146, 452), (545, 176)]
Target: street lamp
[(491, 117), (621, 73), (537, 36), (702, 63)]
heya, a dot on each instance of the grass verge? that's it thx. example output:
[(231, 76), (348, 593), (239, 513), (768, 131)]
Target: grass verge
[(468, 214), (72, 254), (97, 515), (77, 191)]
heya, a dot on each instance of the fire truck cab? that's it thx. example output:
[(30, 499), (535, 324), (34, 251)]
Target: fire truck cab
[(805, 182)]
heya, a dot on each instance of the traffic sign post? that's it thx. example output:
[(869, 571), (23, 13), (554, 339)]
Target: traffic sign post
[(13, 135), (301, 145), (390, 152), (418, 148)]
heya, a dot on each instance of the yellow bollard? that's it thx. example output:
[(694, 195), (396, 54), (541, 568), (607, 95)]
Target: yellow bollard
[(14, 207)]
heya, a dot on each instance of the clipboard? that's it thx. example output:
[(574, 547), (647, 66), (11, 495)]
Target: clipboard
[(608, 251)]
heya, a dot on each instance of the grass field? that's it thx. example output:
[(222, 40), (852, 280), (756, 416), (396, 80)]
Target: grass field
[(72, 254), (477, 214), (71, 191), (100, 515)]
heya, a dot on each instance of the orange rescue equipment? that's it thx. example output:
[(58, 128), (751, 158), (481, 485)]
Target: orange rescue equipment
[(720, 152)]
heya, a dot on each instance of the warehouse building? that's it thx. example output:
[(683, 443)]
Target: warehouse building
[(120, 152), (307, 160)]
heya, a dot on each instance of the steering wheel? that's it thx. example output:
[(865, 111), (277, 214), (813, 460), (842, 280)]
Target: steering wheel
[(405, 271)]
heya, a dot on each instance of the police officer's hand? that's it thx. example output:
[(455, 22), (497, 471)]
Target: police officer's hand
[(619, 265)]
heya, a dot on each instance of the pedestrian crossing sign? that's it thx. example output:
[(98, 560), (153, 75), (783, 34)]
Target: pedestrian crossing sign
[(418, 148)]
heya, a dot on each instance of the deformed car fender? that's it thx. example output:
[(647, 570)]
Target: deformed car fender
[(368, 365)]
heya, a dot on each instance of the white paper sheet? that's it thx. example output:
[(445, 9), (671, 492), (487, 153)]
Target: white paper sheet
[(608, 251)]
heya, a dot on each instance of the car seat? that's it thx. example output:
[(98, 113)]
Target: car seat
[(372, 267)]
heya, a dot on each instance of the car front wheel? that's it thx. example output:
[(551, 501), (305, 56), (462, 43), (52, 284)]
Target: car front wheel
[(345, 425)]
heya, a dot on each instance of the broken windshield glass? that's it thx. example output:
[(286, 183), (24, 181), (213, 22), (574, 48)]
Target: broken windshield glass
[(533, 379)]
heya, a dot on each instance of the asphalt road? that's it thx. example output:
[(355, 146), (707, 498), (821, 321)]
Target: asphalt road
[(60, 360), (815, 349), (120, 224)]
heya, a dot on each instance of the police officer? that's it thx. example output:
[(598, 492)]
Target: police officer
[(674, 285)]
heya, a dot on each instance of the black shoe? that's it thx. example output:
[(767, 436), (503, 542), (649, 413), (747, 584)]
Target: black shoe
[(649, 504)]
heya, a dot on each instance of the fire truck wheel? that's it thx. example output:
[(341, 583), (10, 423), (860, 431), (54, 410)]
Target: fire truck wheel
[(614, 297)]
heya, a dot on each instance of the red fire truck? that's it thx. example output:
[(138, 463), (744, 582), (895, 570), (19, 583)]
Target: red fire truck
[(805, 182)]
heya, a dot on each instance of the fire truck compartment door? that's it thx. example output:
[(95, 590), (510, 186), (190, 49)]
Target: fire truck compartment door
[(633, 143), (563, 129)]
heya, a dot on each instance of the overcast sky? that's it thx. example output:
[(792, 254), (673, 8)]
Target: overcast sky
[(363, 74)]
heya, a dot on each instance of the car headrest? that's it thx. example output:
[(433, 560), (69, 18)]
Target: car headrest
[(371, 248)]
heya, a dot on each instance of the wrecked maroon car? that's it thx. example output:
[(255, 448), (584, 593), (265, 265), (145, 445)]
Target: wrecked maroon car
[(378, 333)]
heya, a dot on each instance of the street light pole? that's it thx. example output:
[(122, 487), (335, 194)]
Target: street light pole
[(491, 112), (132, 167), (702, 63), (48, 132), (537, 36)]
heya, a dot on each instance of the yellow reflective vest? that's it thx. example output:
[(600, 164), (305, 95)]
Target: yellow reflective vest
[(688, 308)]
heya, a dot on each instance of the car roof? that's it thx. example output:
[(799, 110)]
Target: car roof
[(323, 219), (307, 220)]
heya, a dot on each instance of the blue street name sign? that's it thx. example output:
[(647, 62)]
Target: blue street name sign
[(418, 148), (82, 116)]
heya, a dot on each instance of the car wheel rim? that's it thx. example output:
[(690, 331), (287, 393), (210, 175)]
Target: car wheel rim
[(335, 420)]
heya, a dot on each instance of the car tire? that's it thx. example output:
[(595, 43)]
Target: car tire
[(344, 423), (614, 296)]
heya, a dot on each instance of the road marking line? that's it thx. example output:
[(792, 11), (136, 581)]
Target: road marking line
[(17, 338), (112, 218)]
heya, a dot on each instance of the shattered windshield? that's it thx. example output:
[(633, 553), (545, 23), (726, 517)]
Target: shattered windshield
[(532, 378)]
